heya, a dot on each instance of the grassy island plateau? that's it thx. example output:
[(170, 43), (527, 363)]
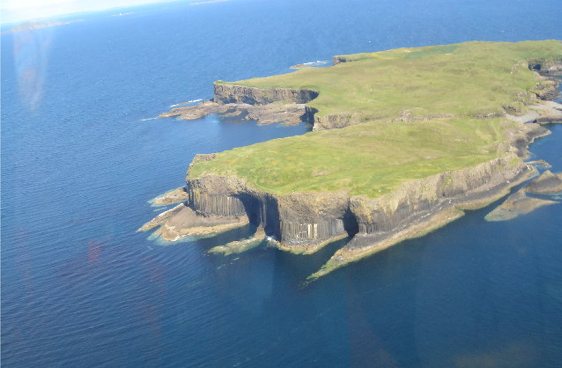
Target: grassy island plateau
[(403, 141)]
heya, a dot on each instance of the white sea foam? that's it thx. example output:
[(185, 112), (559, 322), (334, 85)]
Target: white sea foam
[(187, 103)]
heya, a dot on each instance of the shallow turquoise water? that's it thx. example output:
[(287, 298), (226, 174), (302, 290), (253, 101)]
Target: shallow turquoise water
[(80, 160)]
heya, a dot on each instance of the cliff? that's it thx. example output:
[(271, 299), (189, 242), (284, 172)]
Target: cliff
[(304, 222), (266, 106), (228, 93), (408, 155)]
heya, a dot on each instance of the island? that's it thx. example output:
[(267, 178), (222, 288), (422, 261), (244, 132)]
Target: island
[(403, 142), (33, 25)]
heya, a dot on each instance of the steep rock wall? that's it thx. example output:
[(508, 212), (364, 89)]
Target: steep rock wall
[(228, 93), (308, 220), (293, 219), (417, 198)]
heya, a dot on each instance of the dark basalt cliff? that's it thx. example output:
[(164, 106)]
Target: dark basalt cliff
[(275, 105), (228, 93), (233, 94), (303, 222)]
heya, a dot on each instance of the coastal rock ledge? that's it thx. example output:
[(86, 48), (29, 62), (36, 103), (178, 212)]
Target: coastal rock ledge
[(266, 106)]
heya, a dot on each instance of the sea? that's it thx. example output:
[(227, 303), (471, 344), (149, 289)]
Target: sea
[(82, 155)]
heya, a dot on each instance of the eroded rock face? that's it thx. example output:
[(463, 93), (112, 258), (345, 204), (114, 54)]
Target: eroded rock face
[(266, 106), (416, 199), (228, 93), (547, 68), (303, 222), (293, 219), (519, 140)]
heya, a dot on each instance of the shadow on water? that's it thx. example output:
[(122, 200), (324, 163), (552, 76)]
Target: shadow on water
[(240, 233), (300, 267), (243, 118)]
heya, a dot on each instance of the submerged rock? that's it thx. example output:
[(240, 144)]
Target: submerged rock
[(240, 246), (516, 205), (174, 196), (519, 203), (546, 183)]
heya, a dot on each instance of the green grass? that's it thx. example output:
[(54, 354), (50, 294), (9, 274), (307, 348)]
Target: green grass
[(472, 78), (369, 159), (373, 158)]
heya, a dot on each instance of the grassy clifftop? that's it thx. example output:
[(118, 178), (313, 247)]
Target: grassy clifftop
[(473, 78), (369, 159), (422, 110)]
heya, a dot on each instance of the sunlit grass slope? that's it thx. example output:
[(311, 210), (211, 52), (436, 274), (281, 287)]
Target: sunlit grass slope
[(472, 78), (373, 158), (369, 159)]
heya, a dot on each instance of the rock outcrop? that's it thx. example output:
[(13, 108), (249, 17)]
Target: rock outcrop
[(546, 183), (182, 221), (516, 205), (229, 93), (546, 67), (173, 196), (266, 106), (288, 114), (519, 203)]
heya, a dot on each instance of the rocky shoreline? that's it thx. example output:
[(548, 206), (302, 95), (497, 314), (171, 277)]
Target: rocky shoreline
[(289, 106), (523, 202), (285, 106), (305, 222)]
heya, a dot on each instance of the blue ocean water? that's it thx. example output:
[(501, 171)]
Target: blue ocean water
[(81, 158)]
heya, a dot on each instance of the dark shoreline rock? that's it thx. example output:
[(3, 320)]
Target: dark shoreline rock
[(173, 196), (287, 114), (519, 203), (516, 205), (546, 183)]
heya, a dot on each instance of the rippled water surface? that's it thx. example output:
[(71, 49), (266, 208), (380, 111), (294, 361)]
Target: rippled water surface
[(81, 157)]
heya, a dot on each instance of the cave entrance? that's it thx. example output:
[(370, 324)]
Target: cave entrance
[(252, 206), (350, 224), (264, 213)]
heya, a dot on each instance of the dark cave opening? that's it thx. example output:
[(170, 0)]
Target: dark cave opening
[(350, 224)]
